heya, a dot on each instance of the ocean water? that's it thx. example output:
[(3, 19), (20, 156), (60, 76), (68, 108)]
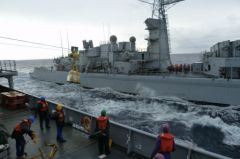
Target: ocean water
[(210, 127)]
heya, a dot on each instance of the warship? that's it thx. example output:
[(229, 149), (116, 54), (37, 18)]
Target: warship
[(120, 66)]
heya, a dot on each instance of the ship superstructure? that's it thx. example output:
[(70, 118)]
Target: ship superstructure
[(223, 60), (122, 57)]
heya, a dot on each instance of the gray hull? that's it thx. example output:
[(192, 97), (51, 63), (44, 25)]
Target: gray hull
[(220, 91), (50, 76)]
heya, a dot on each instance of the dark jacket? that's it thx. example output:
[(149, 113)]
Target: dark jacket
[(40, 109), (59, 117), (22, 128)]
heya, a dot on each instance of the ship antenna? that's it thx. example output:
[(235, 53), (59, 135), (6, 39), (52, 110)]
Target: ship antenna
[(61, 43), (109, 30), (154, 2), (68, 41), (104, 33), (158, 6)]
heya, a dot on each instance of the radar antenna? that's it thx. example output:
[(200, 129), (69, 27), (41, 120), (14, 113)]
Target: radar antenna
[(160, 7)]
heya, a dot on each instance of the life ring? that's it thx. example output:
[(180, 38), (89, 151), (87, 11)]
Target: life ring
[(86, 123)]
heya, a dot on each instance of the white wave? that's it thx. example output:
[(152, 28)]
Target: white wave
[(110, 90), (145, 91), (232, 135)]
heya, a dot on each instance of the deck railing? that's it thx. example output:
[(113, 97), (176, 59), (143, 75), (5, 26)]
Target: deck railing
[(8, 65), (131, 139)]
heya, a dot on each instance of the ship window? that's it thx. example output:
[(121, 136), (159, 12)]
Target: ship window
[(209, 67), (142, 56)]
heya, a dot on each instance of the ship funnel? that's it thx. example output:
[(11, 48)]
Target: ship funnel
[(133, 43), (74, 74)]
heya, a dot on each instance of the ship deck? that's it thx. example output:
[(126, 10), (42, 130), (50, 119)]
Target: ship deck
[(77, 146)]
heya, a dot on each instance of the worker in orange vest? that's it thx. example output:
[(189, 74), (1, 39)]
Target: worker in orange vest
[(165, 143), (102, 129), (60, 122), (43, 112), (24, 127)]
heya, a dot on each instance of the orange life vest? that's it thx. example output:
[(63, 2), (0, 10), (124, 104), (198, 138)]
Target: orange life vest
[(44, 106), (18, 128), (166, 142), (60, 116), (102, 122)]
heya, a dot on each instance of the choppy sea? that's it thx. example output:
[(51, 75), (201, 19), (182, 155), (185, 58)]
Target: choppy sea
[(210, 127)]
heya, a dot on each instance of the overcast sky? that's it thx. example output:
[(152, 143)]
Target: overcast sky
[(194, 25)]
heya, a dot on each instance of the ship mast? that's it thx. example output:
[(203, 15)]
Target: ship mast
[(158, 45), (160, 7)]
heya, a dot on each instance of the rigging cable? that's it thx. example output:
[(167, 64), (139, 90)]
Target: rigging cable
[(37, 47), (31, 42)]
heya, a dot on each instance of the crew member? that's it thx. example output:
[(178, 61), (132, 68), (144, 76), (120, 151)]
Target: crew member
[(43, 112), (102, 130), (165, 143), (59, 117), (24, 127)]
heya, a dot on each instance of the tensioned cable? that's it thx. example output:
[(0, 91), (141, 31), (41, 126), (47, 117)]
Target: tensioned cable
[(28, 46), (31, 42)]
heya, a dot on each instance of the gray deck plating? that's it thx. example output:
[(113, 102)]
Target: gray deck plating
[(77, 146)]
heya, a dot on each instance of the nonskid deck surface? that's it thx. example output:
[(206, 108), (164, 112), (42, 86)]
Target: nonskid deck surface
[(77, 146)]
